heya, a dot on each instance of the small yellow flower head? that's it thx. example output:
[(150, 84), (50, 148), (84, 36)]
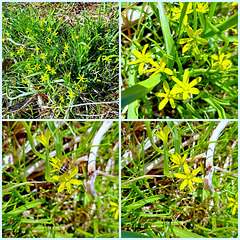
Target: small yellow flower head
[(176, 158), (43, 56), (63, 54), (233, 204), (114, 208), (44, 139), (189, 177), (193, 40), (81, 78), (160, 68), (177, 12), (186, 86), (66, 47), (53, 71), (163, 135), (49, 29), (222, 61), (143, 58), (71, 94), (202, 8), (48, 67), (49, 40), (55, 33), (67, 180), (169, 95)]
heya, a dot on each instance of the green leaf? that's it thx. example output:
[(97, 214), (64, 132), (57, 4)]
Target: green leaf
[(139, 90), (182, 233), (126, 234)]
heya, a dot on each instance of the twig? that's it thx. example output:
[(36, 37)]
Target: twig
[(210, 153)]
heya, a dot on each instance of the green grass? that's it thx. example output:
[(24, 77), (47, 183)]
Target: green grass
[(156, 207), (163, 27), (64, 56), (31, 204)]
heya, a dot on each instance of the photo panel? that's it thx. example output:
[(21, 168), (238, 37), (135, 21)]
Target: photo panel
[(60, 179), (60, 60), (179, 179), (179, 60)]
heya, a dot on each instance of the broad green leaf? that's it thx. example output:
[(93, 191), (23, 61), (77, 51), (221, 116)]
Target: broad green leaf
[(139, 90)]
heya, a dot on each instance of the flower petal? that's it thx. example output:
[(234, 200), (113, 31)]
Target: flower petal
[(186, 168), (196, 171), (168, 71), (177, 81), (184, 184), (198, 32), (190, 185), (186, 47), (172, 102), (190, 31), (179, 175), (166, 87), (196, 179), (194, 91), (140, 68), (163, 103), (195, 81), (160, 94), (202, 41)]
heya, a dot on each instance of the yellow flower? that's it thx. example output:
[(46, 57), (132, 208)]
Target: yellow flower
[(67, 180), (176, 158), (169, 95), (115, 209), (202, 8), (189, 177), (71, 94), (44, 139), (66, 47), (48, 67), (160, 68), (186, 86), (223, 63), (49, 29), (163, 135), (63, 54), (233, 203), (177, 12), (81, 78), (143, 58), (43, 56), (53, 71), (37, 66), (193, 40), (55, 33), (21, 50), (49, 40)]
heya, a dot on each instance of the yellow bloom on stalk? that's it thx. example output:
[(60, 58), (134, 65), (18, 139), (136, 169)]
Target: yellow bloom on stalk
[(66, 47), (43, 56), (178, 160), (71, 94), (189, 177), (169, 95), (193, 40), (160, 68), (186, 86), (49, 40), (48, 67), (66, 181), (114, 208), (202, 8), (81, 78), (233, 203), (163, 135), (143, 58), (177, 12), (222, 61)]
